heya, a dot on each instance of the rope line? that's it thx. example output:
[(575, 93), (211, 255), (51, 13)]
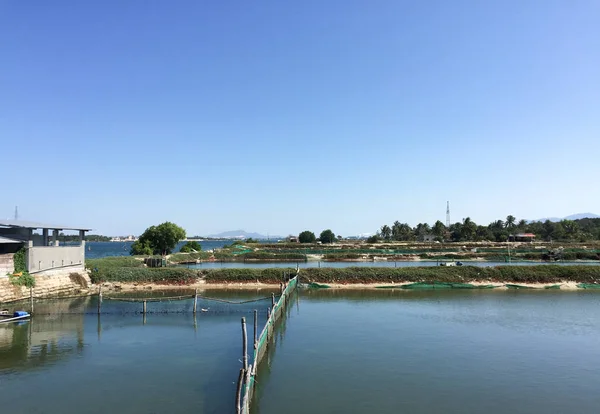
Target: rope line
[(174, 298)]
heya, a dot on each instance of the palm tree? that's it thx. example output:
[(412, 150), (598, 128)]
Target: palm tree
[(386, 232), (469, 228), (510, 221), (439, 229), (522, 224)]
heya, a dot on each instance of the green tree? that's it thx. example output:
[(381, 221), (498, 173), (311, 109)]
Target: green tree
[(468, 230), (190, 247), (327, 236), (307, 237), (439, 229), (160, 239), (373, 239), (510, 221), (386, 232)]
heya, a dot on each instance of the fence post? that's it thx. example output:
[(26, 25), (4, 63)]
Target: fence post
[(273, 300), (144, 307), (31, 299), (195, 300), (238, 396), (255, 326), (244, 344)]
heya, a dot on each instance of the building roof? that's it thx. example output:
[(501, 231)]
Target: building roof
[(34, 225), (6, 240), (525, 235)]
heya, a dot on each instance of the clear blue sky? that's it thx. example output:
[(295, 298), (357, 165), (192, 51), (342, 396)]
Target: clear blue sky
[(279, 116)]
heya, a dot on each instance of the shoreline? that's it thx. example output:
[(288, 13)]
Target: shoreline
[(242, 286)]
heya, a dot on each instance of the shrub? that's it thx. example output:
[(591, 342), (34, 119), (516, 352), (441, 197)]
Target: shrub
[(22, 279), (191, 247), (161, 275)]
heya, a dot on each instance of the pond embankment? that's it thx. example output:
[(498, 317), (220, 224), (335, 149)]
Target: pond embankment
[(135, 276)]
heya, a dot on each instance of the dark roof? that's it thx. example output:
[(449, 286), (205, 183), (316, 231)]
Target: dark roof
[(34, 225)]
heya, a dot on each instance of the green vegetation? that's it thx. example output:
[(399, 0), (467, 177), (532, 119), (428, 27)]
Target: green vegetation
[(191, 247), (246, 275), (20, 260), (327, 236), (160, 239), (113, 261), (581, 230), (160, 275), (373, 239), (307, 237), (22, 279), (21, 276), (188, 257), (130, 269), (464, 274)]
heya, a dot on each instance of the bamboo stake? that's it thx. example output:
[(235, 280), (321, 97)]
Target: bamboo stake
[(99, 299), (273, 300), (144, 307), (245, 344), (195, 300), (31, 299), (255, 326), (238, 395)]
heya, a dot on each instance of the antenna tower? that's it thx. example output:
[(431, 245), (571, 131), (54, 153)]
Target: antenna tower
[(447, 214)]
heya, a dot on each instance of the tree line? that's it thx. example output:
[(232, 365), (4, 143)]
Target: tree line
[(581, 230), (326, 236)]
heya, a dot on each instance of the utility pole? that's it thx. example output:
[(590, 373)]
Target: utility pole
[(16, 213)]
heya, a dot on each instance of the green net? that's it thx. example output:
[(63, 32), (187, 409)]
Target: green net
[(318, 286), (588, 286), (513, 286), (440, 285)]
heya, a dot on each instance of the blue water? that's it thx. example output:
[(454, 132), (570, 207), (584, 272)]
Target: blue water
[(95, 250)]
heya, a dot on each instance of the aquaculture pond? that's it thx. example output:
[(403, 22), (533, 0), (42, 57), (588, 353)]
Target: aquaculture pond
[(337, 351)]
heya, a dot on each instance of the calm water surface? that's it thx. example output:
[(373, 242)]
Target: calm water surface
[(67, 360), (337, 352), (436, 352)]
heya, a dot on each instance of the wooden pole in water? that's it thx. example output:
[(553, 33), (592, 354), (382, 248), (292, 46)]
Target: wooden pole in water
[(238, 395), (273, 300), (144, 307), (99, 299), (195, 300), (255, 326), (268, 313), (244, 344), (31, 299)]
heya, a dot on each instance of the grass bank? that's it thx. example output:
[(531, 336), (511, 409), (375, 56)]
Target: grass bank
[(132, 270)]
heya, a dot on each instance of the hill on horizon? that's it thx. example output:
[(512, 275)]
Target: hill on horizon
[(241, 234), (577, 216)]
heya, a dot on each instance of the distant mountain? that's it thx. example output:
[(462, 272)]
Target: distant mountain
[(577, 216), (241, 234)]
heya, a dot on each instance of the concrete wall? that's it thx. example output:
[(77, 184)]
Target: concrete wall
[(7, 264), (41, 259), (47, 285)]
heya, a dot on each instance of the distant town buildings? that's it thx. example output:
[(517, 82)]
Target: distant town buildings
[(129, 238)]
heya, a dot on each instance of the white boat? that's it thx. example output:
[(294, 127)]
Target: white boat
[(6, 316)]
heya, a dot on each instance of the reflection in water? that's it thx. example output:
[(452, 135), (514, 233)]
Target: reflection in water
[(47, 338)]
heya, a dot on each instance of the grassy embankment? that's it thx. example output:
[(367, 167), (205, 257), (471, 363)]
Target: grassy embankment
[(132, 270), (294, 252)]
